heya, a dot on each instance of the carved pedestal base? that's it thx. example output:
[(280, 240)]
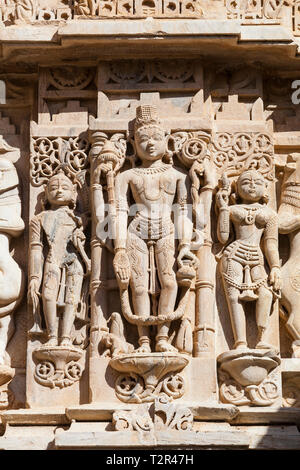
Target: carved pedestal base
[(142, 374), (164, 415), (6, 375), (57, 366), (291, 383), (248, 377)]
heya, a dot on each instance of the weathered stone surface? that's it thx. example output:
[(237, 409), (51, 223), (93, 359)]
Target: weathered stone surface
[(149, 180)]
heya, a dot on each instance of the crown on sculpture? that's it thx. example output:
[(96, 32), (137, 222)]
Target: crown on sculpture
[(146, 115), (60, 175)]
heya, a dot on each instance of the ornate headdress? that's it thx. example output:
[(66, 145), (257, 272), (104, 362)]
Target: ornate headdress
[(146, 115), (60, 175)]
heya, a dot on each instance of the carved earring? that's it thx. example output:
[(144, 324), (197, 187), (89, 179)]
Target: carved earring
[(170, 149), (266, 197)]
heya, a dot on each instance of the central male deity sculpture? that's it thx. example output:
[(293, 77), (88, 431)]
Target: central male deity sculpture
[(243, 261), (147, 246)]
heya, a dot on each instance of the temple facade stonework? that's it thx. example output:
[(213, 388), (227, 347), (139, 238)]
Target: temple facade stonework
[(149, 224)]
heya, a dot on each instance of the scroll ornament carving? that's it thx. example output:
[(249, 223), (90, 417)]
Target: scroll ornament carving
[(233, 153), (264, 394), (167, 415), (60, 280), (50, 155)]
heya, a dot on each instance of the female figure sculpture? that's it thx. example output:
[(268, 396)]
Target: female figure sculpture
[(242, 263)]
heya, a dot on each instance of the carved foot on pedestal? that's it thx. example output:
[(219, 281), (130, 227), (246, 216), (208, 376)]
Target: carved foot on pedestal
[(142, 374), (249, 377), (165, 346), (57, 366)]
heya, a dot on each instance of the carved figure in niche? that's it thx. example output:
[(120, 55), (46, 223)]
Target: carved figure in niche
[(26, 10), (12, 278), (7, 10), (242, 263), (289, 223), (62, 272), (85, 7), (145, 250)]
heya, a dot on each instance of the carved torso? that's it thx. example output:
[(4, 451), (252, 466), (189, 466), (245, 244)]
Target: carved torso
[(250, 221), (154, 188), (58, 227)]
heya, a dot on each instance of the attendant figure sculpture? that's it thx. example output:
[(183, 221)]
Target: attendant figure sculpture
[(62, 273), (11, 275), (243, 260), (289, 223)]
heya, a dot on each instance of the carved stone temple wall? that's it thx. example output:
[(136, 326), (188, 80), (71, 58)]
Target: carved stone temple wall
[(149, 224)]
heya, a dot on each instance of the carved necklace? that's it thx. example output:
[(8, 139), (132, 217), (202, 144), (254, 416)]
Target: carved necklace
[(152, 170), (250, 216)]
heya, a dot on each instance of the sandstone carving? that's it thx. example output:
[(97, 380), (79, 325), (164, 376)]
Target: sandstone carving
[(149, 224), (60, 277), (12, 277), (245, 280), (149, 242), (288, 215), (242, 263)]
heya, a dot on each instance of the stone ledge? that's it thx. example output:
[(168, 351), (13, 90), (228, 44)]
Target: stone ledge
[(249, 415), (48, 417), (150, 27), (169, 438), (99, 412), (266, 33), (145, 28)]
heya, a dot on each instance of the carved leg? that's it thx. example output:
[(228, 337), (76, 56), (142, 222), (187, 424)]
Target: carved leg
[(7, 329), (49, 295), (165, 262), (138, 256), (73, 294), (263, 310), (237, 315)]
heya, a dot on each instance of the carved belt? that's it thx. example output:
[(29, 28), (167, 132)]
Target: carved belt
[(245, 254), (150, 228)]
